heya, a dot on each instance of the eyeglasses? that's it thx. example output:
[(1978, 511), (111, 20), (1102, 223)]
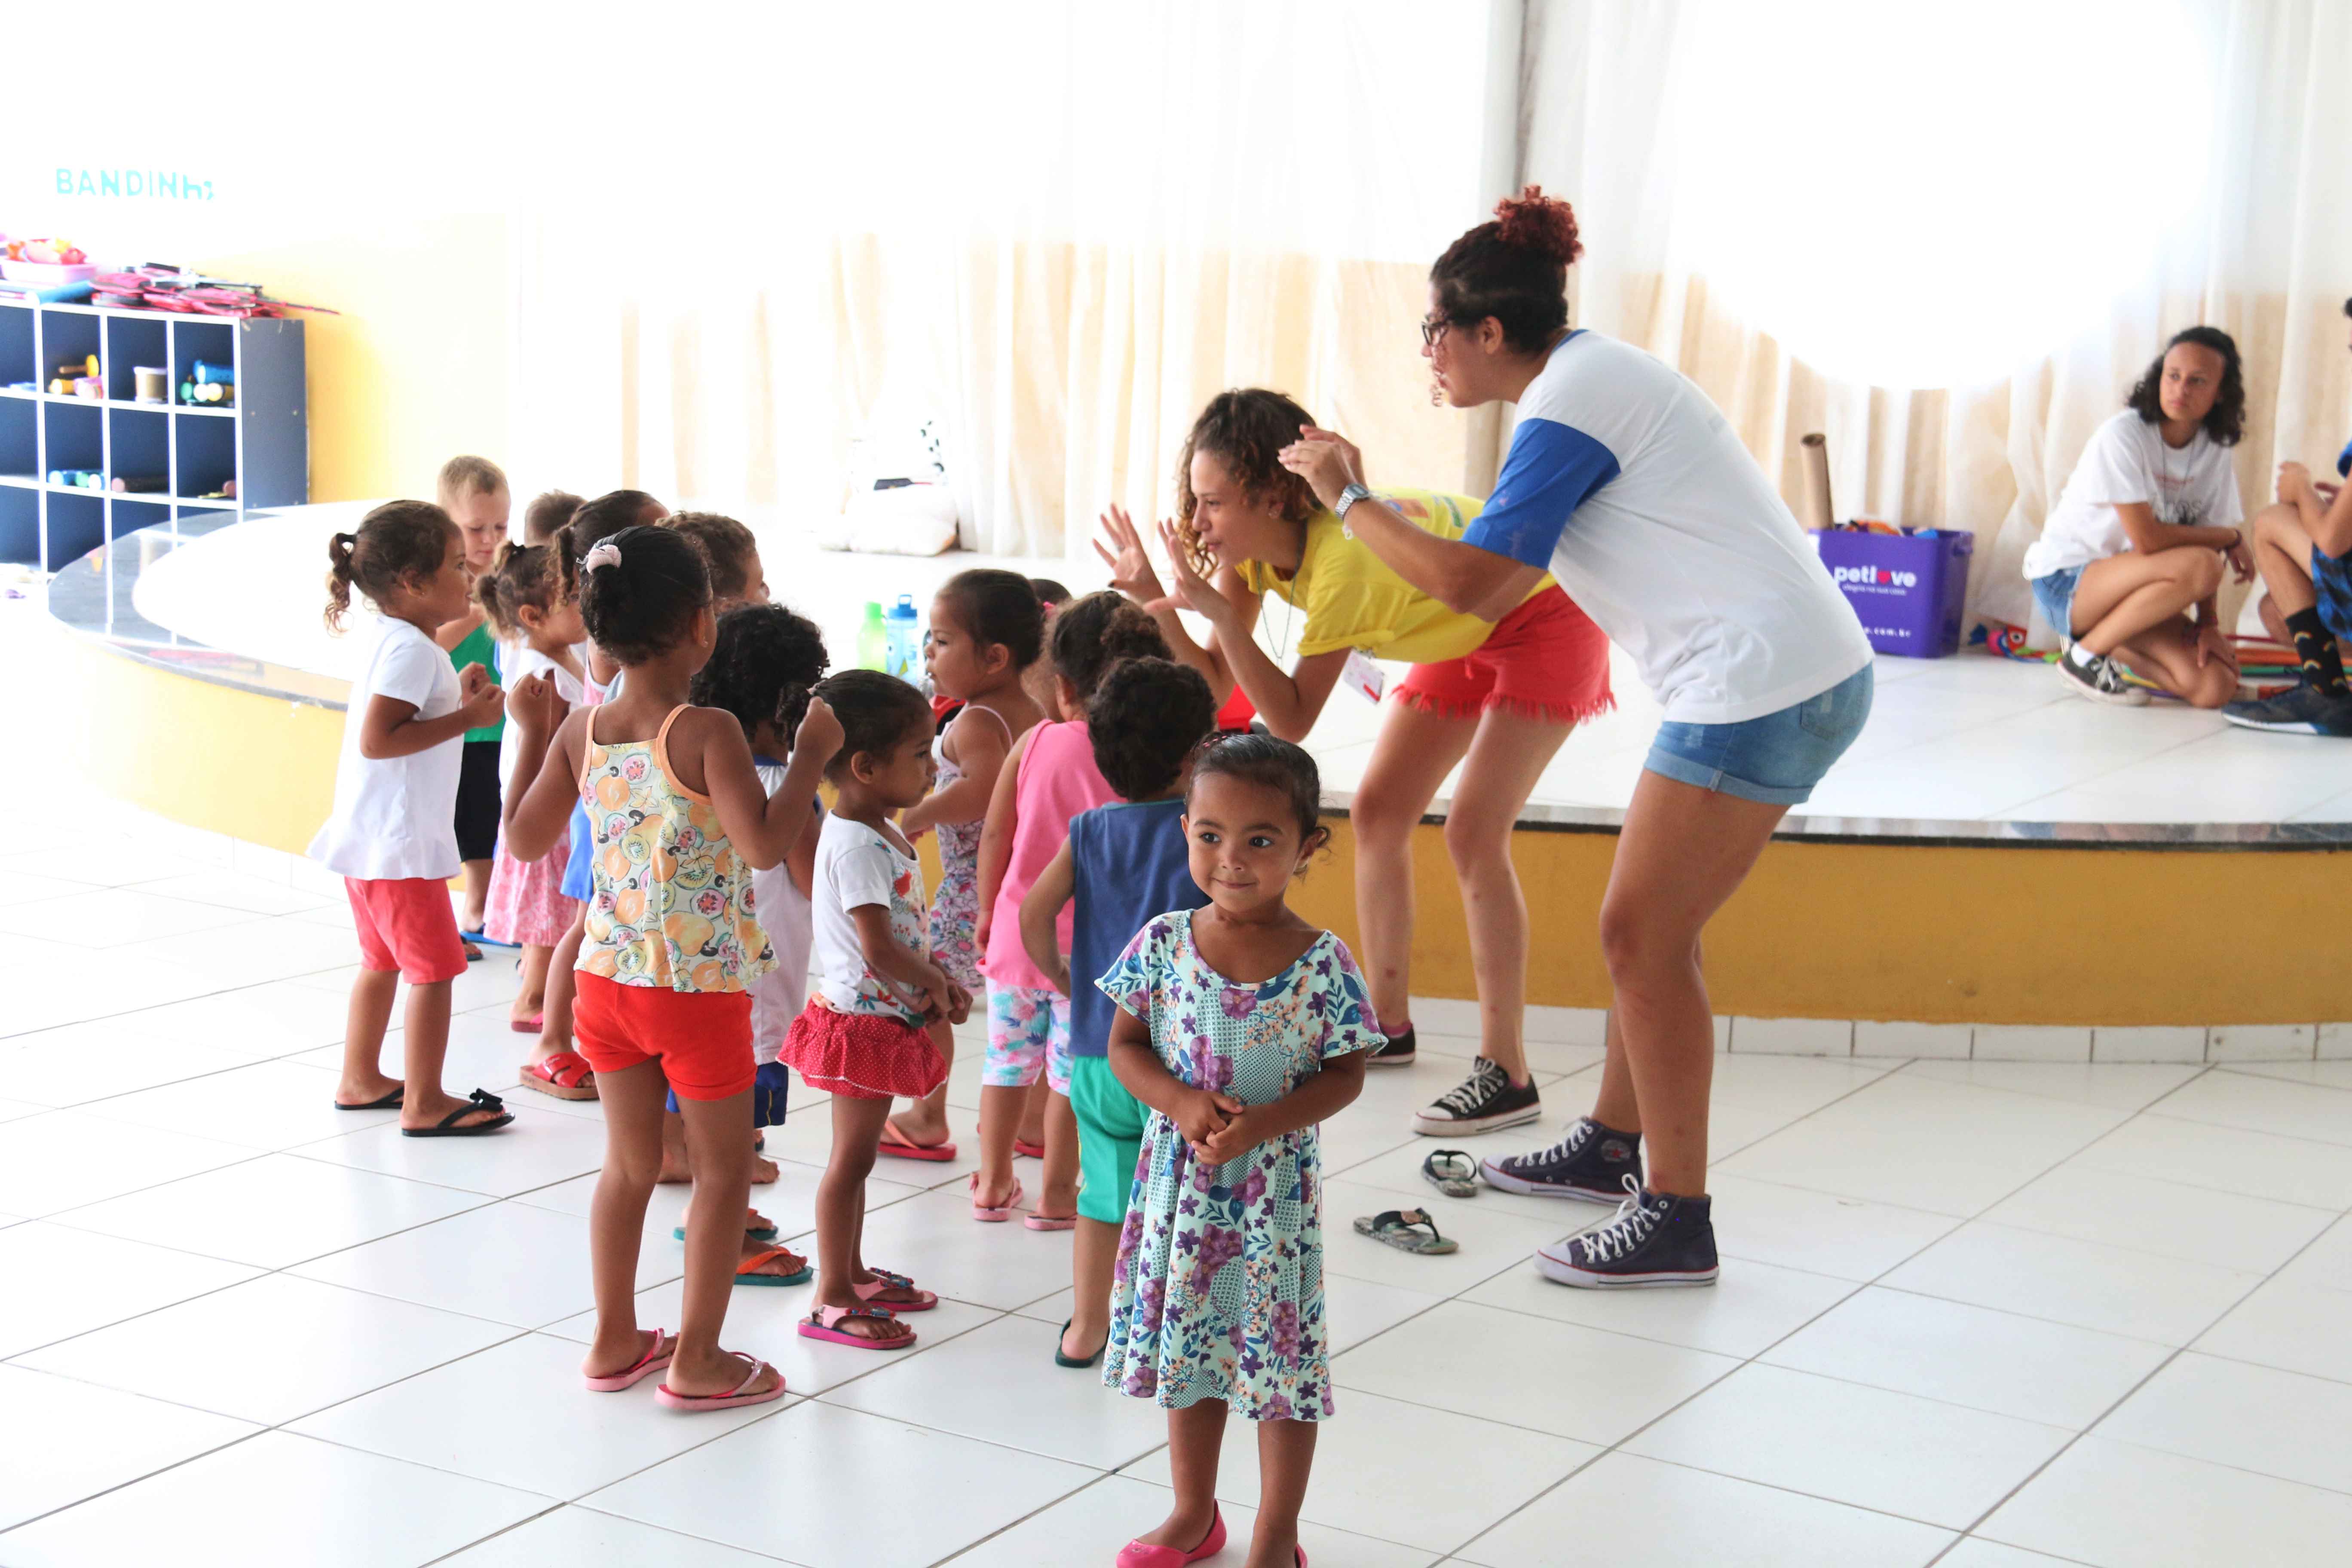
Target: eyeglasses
[(1431, 329)]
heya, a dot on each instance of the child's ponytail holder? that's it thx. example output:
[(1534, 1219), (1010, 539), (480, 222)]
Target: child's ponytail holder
[(604, 553)]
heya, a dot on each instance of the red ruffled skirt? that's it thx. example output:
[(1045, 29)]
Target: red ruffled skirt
[(861, 1055)]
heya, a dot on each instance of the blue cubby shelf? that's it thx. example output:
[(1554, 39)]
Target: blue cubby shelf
[(262, 440)]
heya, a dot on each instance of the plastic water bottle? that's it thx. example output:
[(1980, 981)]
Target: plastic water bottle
[(873, 639), (905, 659)]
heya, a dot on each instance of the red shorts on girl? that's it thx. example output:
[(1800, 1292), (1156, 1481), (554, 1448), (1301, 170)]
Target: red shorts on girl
[(862, 1056), (406, 925), (1545, 660), (702, 1039)]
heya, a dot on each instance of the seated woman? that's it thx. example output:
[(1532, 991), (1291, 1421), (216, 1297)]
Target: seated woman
[(1496, 698), (2141, 535), (2303, 546)]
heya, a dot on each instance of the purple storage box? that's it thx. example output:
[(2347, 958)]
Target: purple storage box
[(1908, 589)]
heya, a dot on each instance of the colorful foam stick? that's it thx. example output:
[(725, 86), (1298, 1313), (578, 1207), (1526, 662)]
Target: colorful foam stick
[(207, 373), (138, 484)]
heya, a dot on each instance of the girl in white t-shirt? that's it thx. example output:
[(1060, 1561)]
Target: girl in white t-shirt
[(867, 1034), (2131, 558), (538, 633), (392, 838), (1629, 485)]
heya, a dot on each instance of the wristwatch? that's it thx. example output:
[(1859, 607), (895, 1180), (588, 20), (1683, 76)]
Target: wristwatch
[(1349, 497)]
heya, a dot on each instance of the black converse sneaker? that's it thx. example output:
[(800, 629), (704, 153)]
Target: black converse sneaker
[(1654, 1239), (2098, 677), (1589, 1162), (1393, 1051), (1480, 1103)]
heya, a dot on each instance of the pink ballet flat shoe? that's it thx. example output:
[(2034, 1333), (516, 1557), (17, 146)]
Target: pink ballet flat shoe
[(644, 1366), (1142, 1554)]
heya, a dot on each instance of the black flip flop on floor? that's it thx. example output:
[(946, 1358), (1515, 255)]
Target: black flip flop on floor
[(389, 1102), (1061, 1360), (481, 1099)]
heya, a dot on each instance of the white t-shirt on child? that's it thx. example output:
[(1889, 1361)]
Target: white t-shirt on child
[(787, 916), (517, 659), (2126, 460), (396, 816), (855, 866)]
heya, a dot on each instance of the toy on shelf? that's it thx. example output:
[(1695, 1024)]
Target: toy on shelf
[(207, 392), (78, 479), (151, 384), (138, 484), (210, 374), (49, 261)]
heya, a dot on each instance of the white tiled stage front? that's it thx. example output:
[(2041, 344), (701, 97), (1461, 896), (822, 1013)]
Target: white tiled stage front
[(1983, 1314)]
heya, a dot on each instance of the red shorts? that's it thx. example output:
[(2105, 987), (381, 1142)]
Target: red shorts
[(406, 925), (1544, 660), (702, 1039)]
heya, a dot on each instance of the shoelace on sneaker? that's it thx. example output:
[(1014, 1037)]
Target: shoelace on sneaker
[(1627, 1229), (2106, 676), (1580, 1132), (1466, 1097)]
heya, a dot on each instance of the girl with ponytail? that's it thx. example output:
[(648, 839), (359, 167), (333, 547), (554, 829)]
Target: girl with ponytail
[(1628, 485)]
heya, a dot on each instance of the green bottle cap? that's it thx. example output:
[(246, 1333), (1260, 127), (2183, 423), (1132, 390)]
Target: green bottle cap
[(873, 610)]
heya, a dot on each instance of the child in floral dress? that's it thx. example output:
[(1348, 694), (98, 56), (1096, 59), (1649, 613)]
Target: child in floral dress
[(1241, 1026)]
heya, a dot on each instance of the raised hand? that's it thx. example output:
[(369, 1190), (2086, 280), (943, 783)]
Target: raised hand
[(1191, 590), (534, 703), (1327, 461), (1121, 549), (819, 730)]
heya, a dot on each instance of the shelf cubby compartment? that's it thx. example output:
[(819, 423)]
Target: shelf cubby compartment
[(133, 513), (139, 446), (131, 342), (205, 457), (73, 436), (20, 436), (76, 523), (18, 362), (68, 337), (20, 523)]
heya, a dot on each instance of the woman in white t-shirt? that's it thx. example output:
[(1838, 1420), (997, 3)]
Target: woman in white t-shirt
[(1629, 485), (2131, 558)]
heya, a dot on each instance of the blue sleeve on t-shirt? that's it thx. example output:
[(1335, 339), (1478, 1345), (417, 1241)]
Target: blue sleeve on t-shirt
[(2344, 461), (1551, 469)]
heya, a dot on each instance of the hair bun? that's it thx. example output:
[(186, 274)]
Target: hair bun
[(1539, 223)]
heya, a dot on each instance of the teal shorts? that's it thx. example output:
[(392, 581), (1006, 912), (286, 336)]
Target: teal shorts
[(1111, 1138)]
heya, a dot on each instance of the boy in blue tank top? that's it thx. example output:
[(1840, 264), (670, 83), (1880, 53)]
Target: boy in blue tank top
[(1124, 864)]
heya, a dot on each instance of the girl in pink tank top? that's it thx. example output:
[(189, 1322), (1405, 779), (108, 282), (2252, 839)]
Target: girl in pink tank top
[(1049, 777)]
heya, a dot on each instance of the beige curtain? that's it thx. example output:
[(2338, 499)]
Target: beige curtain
[(2266, 255)]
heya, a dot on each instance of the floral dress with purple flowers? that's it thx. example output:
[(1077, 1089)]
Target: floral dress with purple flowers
[(1219, 1289)]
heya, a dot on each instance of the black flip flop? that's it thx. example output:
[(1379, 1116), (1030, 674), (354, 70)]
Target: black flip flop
[(389, 1102), (481, 1099), (1061, 1360), (1451, 1171)]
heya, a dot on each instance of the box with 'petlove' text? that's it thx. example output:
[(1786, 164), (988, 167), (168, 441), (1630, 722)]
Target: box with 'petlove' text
[(1910, 590)]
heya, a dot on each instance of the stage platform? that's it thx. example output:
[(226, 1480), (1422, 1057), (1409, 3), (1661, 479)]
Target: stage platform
[(1993, 852)]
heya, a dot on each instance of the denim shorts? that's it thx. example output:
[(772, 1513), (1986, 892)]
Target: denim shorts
[(1776, 760), (2331, 580), (2053, 596)]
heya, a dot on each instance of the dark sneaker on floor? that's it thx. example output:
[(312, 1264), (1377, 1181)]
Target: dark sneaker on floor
[(1590, 1161), (1654, 1239), (1394, 1050), (1483, 1103), (2098, 678), (2305, 711)]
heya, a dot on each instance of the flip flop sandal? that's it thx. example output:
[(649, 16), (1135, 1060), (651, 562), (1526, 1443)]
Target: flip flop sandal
[(565, 1075), (756, 1232), (1050, 1221), (663, 1394), (1061, 1360), (1451, 1171), (473, 953), (389, 1102), (644, 1366), (1407, 1230), (535, 1024), (481, 1099), (478, 935), (745, 1271), (993, 1214), (885, 1280), (1028, 1150), (898, 1146), (825, 1323)]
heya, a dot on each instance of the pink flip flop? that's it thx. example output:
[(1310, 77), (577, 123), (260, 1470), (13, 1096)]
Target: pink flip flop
[(1050, 1221), (885, 1280), (535, 1024), (825, 1323), (652, 1362), (986, 1214), (1028, 1150), (664, 1395), (1142, 1554), (898, 1146)]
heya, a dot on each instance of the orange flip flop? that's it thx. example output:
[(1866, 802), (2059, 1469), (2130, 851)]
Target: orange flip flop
[(898, 1146)]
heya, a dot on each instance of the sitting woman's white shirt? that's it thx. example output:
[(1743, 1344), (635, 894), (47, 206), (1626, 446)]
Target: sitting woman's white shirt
[(2127, 461)]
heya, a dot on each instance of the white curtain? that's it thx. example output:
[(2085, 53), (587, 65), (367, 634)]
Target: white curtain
[(1055, 228), (2261, 247)]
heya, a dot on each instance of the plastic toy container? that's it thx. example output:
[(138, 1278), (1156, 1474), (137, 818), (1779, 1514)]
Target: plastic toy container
[(1910, 590), (46, 272)]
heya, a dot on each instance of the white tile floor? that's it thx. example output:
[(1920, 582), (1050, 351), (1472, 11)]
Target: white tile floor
[(1983, 1314)]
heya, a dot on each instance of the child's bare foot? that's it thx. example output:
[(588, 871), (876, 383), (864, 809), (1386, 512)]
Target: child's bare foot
[(763, 1171), (365, 1091), (418, 1112), (779, 1263), (753, 1220), (610, 1355), (882, 1331), (894, 1291), (717, 1375), (922, 1125), (1185, 1529)]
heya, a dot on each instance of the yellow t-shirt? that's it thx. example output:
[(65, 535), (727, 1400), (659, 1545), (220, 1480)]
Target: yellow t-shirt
[(1352, 599)]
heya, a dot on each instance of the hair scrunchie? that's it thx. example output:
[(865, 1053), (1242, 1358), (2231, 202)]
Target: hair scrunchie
[(604, 553)]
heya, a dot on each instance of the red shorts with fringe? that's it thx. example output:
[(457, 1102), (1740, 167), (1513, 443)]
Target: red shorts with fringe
[(1546, 660), (861, 1055)]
